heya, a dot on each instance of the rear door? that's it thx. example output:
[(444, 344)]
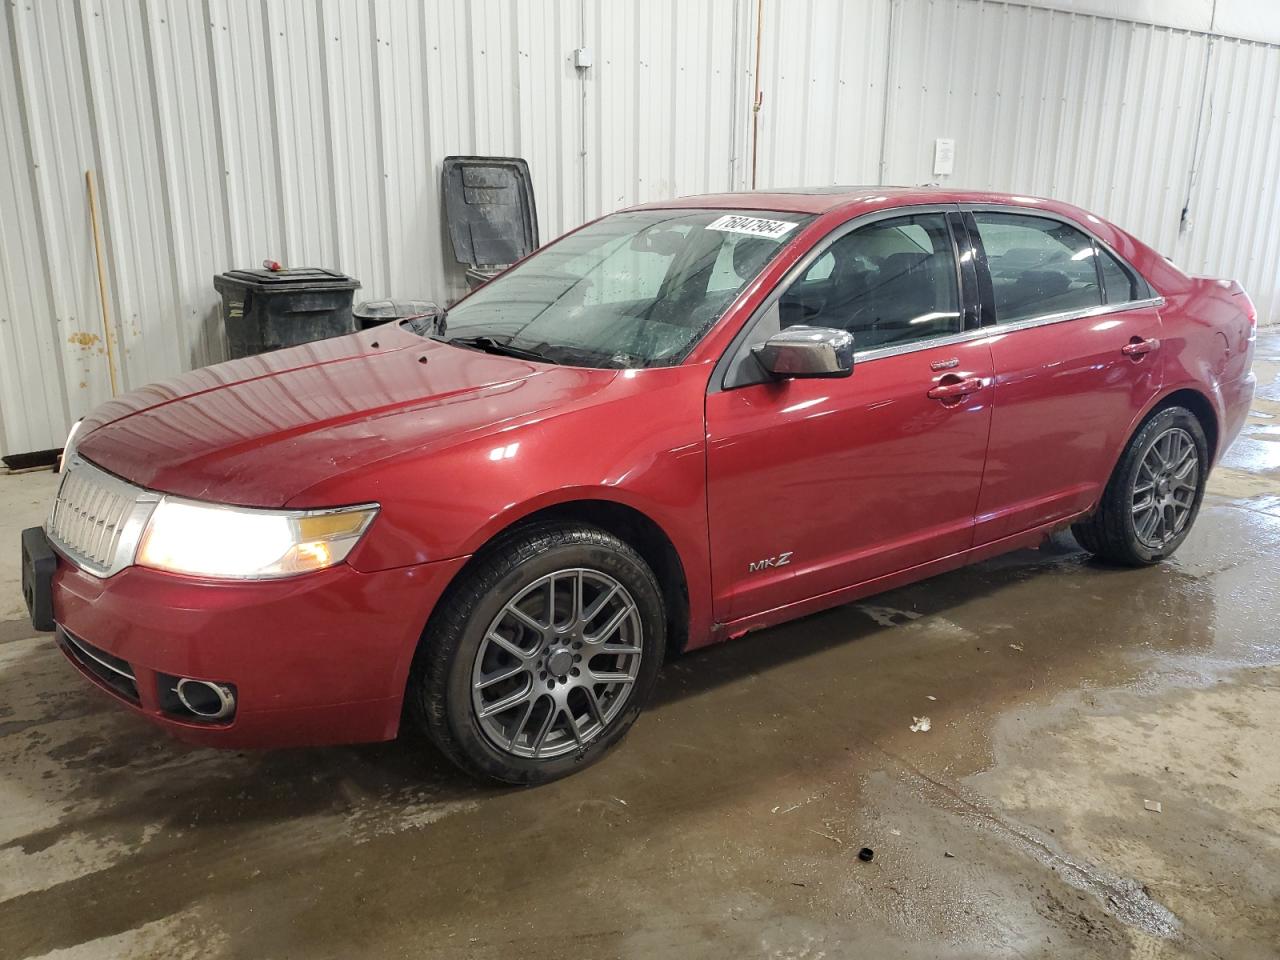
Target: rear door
[(1075, 349), (816, 485)]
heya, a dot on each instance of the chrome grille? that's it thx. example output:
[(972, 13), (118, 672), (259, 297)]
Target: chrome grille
[(97, 518)]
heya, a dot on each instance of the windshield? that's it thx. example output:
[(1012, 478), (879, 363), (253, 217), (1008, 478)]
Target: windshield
[(634, 289)]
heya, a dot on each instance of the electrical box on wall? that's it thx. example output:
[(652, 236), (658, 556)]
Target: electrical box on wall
[(944, 157)]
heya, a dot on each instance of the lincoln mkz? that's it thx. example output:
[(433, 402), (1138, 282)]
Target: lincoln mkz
[(676, 424)]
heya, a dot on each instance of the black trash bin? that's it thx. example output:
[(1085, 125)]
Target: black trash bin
[(268, 309), (489, 207)]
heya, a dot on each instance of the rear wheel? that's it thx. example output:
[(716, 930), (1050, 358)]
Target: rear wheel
[(542, 657), (1154, 494)]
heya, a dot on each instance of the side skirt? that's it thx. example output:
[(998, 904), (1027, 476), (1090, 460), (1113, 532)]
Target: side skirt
[(1033, 537)]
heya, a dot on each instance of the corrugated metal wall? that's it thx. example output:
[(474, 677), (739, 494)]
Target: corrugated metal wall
[(1235, 202), (1131, 120), (822, 80), (228, 131), (1103, 113), (664, 100), (225, 131)]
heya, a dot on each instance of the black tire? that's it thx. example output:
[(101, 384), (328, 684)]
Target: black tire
[(1111, 532), (440, 685)]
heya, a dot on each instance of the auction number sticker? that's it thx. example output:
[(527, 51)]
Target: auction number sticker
[(756, 226)]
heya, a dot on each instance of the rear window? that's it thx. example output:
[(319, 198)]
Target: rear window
[(1038, 266)]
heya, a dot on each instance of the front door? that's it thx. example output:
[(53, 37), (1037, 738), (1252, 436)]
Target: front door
[(817, 485)]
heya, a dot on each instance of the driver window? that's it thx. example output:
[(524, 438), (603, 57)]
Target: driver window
[(888, 283)]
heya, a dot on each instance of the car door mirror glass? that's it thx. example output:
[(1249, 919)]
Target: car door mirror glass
[(802, 351)]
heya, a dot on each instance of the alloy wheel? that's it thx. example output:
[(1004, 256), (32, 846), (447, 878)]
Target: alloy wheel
[(557, 664), (1164, 490)]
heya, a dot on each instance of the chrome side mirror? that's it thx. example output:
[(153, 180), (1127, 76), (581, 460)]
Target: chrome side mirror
[(807, 352)]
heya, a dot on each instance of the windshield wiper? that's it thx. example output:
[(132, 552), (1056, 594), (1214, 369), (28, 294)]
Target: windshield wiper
[(499, 347)]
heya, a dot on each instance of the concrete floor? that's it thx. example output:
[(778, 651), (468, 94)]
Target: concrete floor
[(1062, 696)]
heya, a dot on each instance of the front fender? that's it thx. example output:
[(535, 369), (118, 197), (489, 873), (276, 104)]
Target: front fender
[(640, 443)]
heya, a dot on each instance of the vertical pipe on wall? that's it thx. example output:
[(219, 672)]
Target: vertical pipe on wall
[(582, 119), (755, 103), (1206, 105), (102, 281), (733, 96), (889, 64)]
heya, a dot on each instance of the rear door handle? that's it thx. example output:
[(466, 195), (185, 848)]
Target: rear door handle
[(1137, 347), (955, 389)]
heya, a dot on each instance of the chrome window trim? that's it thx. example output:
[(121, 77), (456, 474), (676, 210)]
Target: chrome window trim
[(1000, 329)]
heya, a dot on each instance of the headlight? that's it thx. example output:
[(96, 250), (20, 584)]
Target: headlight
[(208, 540), (69, 448)]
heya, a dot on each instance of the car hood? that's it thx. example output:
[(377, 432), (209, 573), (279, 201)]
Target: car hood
[(260, 431)]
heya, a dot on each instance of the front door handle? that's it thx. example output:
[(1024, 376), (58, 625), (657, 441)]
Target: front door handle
[(955, 388), (1137, 347)]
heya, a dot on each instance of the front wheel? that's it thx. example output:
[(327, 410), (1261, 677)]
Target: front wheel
[(542, 657), (1154, 494)]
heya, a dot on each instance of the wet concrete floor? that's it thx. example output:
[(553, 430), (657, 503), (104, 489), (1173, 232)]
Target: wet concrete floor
[(1064, 698)]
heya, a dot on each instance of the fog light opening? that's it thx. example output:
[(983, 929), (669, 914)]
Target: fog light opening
[(212, 701)]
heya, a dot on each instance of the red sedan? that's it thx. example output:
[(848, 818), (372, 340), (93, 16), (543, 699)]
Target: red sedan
[(676, 424)]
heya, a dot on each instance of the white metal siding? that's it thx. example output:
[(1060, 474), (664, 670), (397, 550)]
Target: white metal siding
[(226, 131), (1235, 205), (662, 99), (1093, 111), (823, 67), (1098, 111), (1102, 113)]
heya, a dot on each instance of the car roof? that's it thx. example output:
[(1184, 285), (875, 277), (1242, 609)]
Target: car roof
[(819, 200)]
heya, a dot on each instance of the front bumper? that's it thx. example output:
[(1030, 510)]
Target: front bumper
[(318, 659)]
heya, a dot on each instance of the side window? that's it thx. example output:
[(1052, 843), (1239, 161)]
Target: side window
[(1038, 266), (888, 283), (1119, 285)]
